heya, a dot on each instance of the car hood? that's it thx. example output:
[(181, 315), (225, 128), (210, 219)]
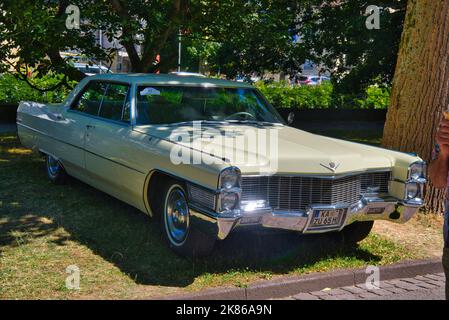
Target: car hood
[(274, 148)]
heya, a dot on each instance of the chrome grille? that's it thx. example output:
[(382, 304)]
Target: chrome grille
[(297, 193), (201, 196), (375, 182)]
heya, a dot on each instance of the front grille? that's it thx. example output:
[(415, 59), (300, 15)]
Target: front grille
[(297, 193), (201, 196)]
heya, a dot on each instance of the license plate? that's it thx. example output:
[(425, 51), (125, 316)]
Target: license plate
[(327, 218)]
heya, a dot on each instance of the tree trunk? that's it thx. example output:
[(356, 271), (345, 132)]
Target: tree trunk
[(421, 85)]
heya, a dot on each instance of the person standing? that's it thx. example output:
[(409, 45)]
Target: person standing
[(438, 174)]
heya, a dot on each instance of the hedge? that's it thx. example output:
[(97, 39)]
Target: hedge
[(280, 94), (284, 95)]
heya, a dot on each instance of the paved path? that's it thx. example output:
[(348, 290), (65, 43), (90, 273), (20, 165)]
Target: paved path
[(427, 287)]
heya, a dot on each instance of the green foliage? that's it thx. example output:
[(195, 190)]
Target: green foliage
[(336, 36), (13, 90), (32, 33), (375, 98), (283, 95), (232, 36)]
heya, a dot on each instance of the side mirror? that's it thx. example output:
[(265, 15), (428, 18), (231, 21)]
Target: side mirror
[(291, 118)]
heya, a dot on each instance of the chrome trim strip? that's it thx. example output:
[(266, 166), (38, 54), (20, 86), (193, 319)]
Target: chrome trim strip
[(320, 176)]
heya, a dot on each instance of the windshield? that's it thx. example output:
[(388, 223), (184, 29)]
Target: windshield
[(173, 104)]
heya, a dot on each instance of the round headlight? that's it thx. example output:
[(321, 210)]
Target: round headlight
[(416, 171), (412, 190), (229, 201), (229, 178)]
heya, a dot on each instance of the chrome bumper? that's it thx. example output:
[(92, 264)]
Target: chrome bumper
[(367, 209)]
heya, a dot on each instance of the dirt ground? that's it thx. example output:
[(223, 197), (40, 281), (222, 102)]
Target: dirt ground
[(423, 234)]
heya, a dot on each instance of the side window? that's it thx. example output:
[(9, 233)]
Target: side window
[(90, 100), (115, 103)]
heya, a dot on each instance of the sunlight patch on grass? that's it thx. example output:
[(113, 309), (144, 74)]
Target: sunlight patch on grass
[(20, 151)]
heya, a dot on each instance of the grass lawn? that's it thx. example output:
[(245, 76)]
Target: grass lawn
[(44, 228)]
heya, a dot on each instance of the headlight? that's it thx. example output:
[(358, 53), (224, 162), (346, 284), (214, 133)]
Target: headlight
[(417, 171), (230, 178), (412, 190), (229, 189), (229, 201)]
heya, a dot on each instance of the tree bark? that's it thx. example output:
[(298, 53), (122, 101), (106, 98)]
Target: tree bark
[(151, 49), (420, 86)]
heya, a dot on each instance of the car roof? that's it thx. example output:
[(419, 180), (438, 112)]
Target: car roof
[(168, 79)]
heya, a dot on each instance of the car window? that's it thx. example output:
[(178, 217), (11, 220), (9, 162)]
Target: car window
[(114, 102), (315, 79), (171, 104), (90, 100), (302, 78)]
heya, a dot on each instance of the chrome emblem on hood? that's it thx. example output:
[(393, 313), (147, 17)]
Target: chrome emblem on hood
[(332, 166)]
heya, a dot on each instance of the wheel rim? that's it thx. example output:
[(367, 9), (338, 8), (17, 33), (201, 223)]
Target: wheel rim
[(177, 216), (52, 165)]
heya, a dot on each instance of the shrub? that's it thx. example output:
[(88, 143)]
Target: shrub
[(13, 90), (283, 95)]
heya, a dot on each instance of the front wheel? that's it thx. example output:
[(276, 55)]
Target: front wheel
[(178, 232), (355, 232), (55, 171)]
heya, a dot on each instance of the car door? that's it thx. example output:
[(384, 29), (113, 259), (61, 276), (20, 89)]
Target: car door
[(109, 160), (72, 127)]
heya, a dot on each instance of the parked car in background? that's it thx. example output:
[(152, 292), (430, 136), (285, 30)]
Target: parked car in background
[(114, 132), (91, 70), (312, 80)]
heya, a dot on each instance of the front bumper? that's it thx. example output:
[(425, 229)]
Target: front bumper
[(367, 209)]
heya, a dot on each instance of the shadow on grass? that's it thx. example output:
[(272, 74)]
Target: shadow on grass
[(31, 208)]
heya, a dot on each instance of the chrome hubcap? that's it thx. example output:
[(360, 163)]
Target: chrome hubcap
[(177, 216), (52, 165)]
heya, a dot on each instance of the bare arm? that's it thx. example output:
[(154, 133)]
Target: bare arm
[(439, 168)]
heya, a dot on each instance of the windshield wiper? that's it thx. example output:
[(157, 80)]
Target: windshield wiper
[(255, 122), (200, 121)]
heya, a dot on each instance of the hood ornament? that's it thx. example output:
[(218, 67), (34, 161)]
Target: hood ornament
[(332, 166)]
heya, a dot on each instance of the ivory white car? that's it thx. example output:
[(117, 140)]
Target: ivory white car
[(116, 132)]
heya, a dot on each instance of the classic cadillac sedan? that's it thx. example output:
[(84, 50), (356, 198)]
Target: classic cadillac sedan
[(194, 153)]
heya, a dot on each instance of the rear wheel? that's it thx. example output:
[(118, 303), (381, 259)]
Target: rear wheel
[(355, 232), (55, 170), (180, 235)]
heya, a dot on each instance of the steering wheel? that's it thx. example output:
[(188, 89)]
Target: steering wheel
[(238, 114)]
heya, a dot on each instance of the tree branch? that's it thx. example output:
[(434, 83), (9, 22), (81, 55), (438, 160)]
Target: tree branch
[(128, 41), (150, 54)]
